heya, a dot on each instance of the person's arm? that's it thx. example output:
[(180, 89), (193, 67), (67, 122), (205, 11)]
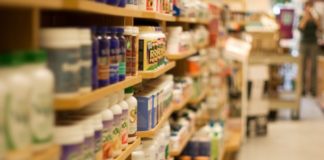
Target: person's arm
[(305, 18)]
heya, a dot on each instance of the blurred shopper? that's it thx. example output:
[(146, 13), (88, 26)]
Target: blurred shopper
[(309, 25)]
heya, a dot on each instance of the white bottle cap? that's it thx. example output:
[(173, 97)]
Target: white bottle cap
[(107, 115), (69, 134), (85, 36), (59, 38), (88, 127), (97, 121), (116, 109)]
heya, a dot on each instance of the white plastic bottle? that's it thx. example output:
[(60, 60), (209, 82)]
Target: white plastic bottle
[(124, 128), (70, 138), (17, 107), (117, 111), (41, 113), (89, 139), (3, 100), (107, 134), (132, 114), (98, 127)]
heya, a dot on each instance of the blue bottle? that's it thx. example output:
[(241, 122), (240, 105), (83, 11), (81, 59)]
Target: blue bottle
[(114, 52), (103, 56), (113, 2), (95, 52), (122, 3), (101, 1), (122, 54)]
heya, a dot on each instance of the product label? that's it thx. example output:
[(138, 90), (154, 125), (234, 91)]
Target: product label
[(107, 140), (17, 131), (64, 64), (129, 55), (103, 62), (89, 148), (124, 127), (42, 113), (71, 152), (116, 133), (132, 122), (149, 5), (85, 66), (114, 52), (122, 59)]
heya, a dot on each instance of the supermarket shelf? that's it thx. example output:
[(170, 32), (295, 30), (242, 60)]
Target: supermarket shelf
[(101, 8), (181, 55), (158, 72), (52, 152), (272, 58), (183, 144), (192, 20), (151, 133), (130, 148), (78, 102), (32, 3), (200, 98), (180, 105), (280, 103)]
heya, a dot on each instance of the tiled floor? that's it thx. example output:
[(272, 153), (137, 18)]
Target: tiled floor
[(290, 140)]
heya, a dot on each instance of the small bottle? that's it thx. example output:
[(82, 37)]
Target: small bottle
[(113, 2), (128, 34), (107, 134), (63, 48), (124, 128), (16, 126), (94, 55), (103, 56), (70, 138), (117, 111), (122, 54), (132, 114), (89, 139), (135, 44), (113, 56), (122, 3), (98, 127), (85, 60), (41, 112)]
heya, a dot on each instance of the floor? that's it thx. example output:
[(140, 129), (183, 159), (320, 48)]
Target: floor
[(290, 140)]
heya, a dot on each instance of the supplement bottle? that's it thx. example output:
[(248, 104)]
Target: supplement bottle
[(114, 52), (16, 118), (135, 46), (113, 2), (94, 55), (122, 54), (41, 113), (98, 127), (122, 3), (70, 138), (128, 34), (107, 134), (85, 60), (132, 114), (117, 111), (103, 56), (63, 48), (124, 127), (147, 56)]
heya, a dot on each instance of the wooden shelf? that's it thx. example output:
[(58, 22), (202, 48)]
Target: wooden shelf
[(183, 144), (128, 151), (54, 4), (78, 102), (52, 152), (202, 46), (180, 105), (181, 55), (101, 8), (200, 98), (192, 20), (151, 133), (158, 72)]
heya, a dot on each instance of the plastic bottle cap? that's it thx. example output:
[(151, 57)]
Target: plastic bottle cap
[(59, 38), (129, 90), (107, 115), (70, 134), (85, 36), (116, 109), (88, 127), (97, 121), (120, 30), (12, 59), (101, 30)]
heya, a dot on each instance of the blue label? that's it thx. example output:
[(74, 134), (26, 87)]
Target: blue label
[(114, 51), (103, 62)]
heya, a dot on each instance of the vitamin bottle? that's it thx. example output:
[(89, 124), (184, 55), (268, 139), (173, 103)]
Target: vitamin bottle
[(122, 3), (124, 127), (107, 135), (132, 114), (135, 46), (113, 2), (103, 56), (114, 52), (41, 113), (122, 54), (128, 34), (63, 48), (117, 111), (94, 58), (85, 60), (16, 117), (89, 139)]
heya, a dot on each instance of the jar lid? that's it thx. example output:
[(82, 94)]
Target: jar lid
[(107, 115), (12, 59), (59, 38)]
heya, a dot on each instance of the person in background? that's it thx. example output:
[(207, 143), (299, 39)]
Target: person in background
[(309, 26)]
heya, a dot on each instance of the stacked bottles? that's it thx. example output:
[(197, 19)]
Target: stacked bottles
[(104, 128), (26, 85)]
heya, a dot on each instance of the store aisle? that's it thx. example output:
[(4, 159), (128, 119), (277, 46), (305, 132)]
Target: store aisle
[(286, 139)]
